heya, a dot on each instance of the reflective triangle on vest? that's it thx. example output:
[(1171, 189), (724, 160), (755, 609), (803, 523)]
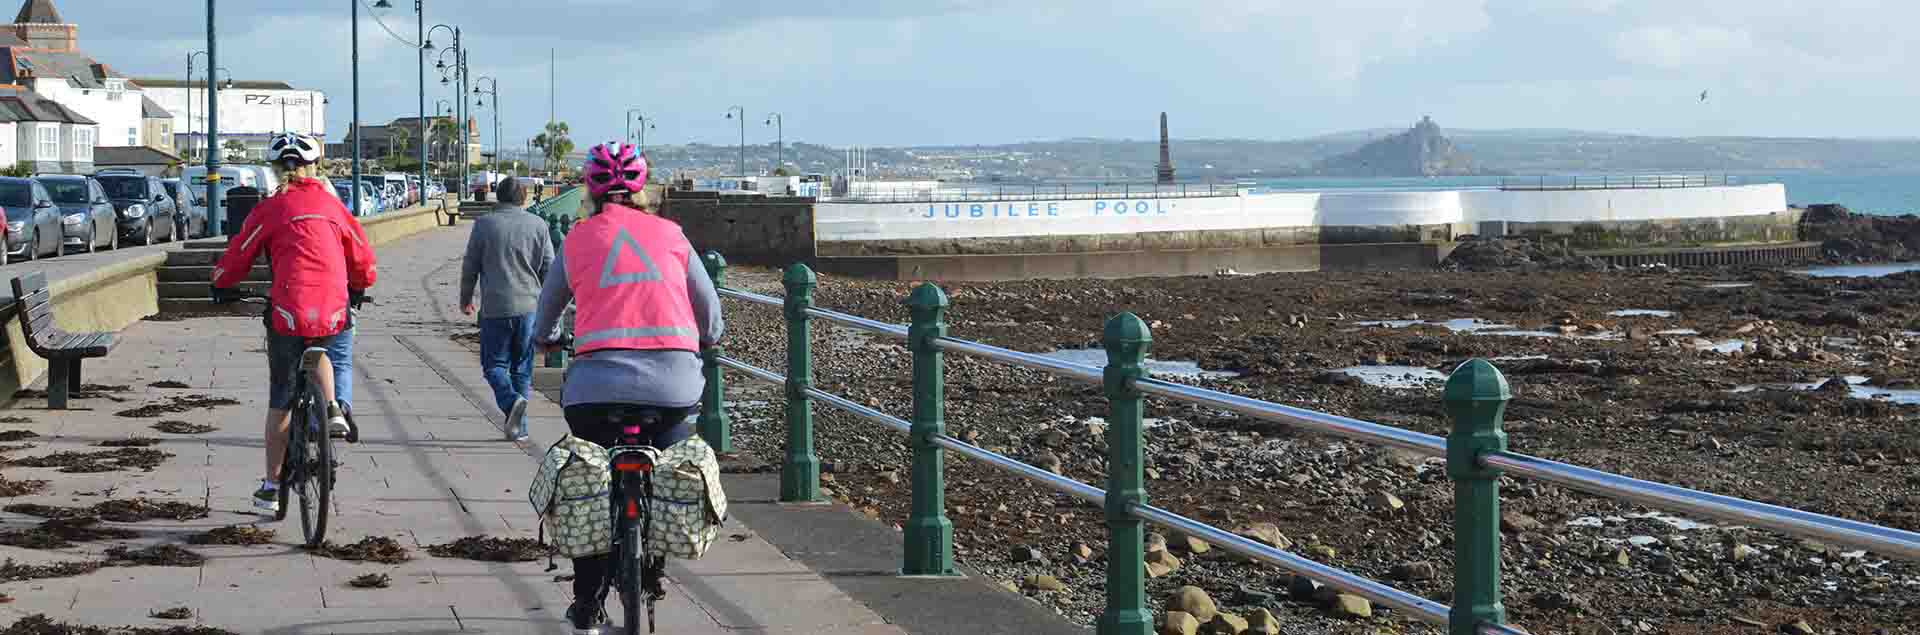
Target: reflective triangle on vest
[(624, 240)]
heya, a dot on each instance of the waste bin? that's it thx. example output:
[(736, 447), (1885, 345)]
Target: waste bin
[(239, 203)]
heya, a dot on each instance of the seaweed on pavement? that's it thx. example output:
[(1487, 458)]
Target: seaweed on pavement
[(11, 571), (16, 419), (372, 581), (40, 624), (233, 535), (88, 391), (97, 461), (175, 613), (168, 384), (157, 555), (129, 442), (370, 549), (177, 404), (16, 435), (59, 533), (490, 549), (120, 510), (175, 426), (10, 488)]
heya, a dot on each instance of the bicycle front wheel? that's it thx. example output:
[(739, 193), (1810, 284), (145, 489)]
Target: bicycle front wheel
[(316, 474)]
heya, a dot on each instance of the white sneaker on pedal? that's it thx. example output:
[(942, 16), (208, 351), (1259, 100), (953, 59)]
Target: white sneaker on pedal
[(336, 421), (585, 625), (267, 498)]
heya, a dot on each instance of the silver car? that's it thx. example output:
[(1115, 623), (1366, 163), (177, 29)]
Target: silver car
[(86, 216)]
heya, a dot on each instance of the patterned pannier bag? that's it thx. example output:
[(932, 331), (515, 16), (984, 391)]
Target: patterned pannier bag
[(569, 492), (688, 503)]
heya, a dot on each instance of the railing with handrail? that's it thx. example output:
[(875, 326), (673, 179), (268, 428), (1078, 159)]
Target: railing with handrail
[(870, 193), (1611, 182), (1476, 454)]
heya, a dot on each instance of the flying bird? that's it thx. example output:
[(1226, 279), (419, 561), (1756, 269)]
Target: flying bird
[(1703, 95)]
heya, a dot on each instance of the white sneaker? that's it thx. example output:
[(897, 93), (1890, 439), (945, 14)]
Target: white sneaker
[(336, 421), (266, 498), (517, 421)]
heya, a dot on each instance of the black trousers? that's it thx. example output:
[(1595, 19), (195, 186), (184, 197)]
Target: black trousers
[(600, 423)]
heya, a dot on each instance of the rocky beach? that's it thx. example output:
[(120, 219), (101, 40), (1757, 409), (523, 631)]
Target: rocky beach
[(1771, 385)]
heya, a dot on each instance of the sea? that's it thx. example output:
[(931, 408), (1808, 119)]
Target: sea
[(1889, 193)]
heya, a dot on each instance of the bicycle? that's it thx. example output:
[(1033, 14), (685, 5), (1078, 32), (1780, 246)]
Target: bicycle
[(309, 470), (634, 570)]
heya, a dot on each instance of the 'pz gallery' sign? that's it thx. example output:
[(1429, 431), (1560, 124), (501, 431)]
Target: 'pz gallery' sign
[(270, 100)]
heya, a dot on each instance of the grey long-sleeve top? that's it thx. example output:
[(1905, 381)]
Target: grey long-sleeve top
[(508, 255), (668, 379)]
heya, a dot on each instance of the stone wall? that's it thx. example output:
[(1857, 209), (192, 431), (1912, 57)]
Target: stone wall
[(759, 230)]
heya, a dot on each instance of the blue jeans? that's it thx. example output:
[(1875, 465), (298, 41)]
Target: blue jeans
[(283, 360), (506, 356)]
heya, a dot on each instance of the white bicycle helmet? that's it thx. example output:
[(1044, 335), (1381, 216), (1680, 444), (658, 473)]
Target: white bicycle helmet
[(294, 149)]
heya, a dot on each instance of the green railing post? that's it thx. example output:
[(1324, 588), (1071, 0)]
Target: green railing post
[(1476, 399), (1126, 339), (713, 414), (800, 473), (929, 534)]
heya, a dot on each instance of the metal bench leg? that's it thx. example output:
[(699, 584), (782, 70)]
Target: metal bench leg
[(57, 384), (73, 378)]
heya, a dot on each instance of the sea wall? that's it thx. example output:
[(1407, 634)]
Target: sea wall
[(759, 230)]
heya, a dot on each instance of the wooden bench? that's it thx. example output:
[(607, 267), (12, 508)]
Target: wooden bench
[(62, 350)]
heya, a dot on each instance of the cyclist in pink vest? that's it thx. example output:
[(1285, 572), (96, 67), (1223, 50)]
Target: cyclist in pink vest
[(644, 307)]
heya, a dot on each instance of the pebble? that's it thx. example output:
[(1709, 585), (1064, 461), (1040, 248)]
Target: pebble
[(1413, 571), (1302, 588), (1023, 554), (1161, 563), (1385, 502), (1348, 605), (1323, 552), (1044, 582), (1516, 522), (1799, 627), (1082, 553)]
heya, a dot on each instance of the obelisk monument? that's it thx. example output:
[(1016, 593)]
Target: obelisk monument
[(1164, 174)]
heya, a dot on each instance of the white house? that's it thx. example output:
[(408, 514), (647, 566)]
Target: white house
[(44, 135), (41, 54)]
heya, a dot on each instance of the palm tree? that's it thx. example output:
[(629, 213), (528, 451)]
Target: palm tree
[(398, 140), (554, 144)]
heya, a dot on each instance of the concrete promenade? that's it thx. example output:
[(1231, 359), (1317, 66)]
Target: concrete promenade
[(430, 469)]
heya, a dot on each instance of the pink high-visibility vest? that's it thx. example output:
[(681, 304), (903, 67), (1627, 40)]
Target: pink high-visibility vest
[(628, 272)]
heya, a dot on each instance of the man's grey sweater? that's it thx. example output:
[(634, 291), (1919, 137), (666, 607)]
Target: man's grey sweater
[(508, 255)]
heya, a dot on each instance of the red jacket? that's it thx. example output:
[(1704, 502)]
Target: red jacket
[(317, 252)]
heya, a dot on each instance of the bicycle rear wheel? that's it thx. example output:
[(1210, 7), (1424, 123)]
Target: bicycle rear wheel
[(315, 487)]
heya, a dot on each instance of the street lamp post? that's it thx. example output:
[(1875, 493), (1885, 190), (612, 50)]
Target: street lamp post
[(420, 26), (458, 78), (742, 165), (215, 215), (495, 92), (442, 107), (645, 124), (190, 58), (780, 141)]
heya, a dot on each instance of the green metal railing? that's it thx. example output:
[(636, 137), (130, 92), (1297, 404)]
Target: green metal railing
[(560, 212), (1475, 399)]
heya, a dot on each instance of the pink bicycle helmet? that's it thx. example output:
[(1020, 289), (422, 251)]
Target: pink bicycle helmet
[(614, 167)]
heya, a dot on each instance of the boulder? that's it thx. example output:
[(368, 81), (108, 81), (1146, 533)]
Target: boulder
[(1044, 582), (1179, 623), (1227, 624), (1161, 563), (1353, 606), (1262, 621), (1193, 601)]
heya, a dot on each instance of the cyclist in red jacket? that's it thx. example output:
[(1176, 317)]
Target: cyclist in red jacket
[(322, 266)]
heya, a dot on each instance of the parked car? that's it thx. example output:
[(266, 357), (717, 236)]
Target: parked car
[(344, 190), (86, 217), (146, 211), (33, 221), (230, 177), (263, 178), (193, 218)]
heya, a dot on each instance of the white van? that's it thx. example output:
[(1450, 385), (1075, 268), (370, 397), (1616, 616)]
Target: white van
[(268, 181), (397, 187), (195, 176)]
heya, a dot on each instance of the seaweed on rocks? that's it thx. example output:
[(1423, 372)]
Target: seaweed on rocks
[(379, 549), (175, 426), (40, 624), (155, 556), (11, 571), (233, 535), (176, 405), (490, 549)]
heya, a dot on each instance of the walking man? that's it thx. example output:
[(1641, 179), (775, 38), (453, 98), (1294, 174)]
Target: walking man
[(508, 255)]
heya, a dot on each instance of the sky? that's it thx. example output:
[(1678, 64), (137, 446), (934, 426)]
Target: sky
[(960, 72)]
